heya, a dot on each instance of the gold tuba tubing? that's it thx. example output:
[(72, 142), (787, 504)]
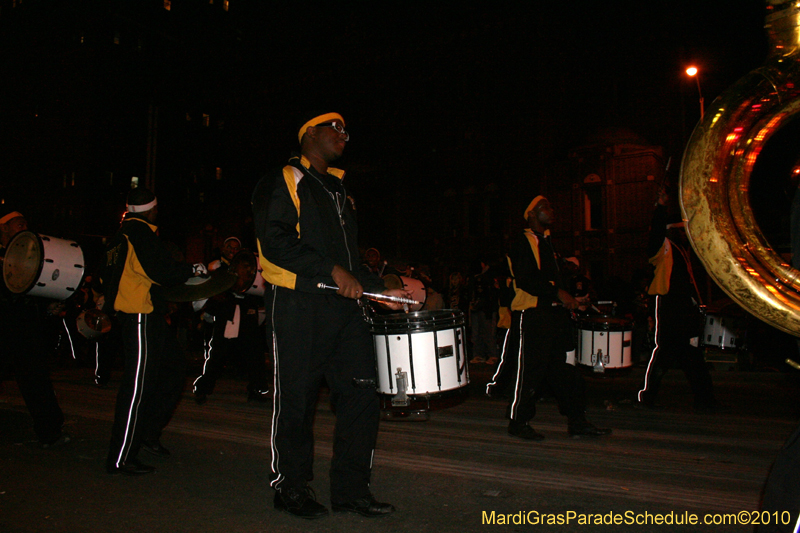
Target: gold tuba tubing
[(715, 179)]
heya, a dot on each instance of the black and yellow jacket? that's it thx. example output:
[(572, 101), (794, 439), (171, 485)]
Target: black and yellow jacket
[(137, 267), (535, 272), (305, 224), (672, 262)]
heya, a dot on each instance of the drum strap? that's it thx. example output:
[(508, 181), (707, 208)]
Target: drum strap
[(688, 260)]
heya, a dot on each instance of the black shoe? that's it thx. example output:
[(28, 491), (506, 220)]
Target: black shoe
[(365, 507), (60, 440), (587, 429), (524, 432), (131, 468), (300, 502), (200, 398), (154, 447), (258, 395)]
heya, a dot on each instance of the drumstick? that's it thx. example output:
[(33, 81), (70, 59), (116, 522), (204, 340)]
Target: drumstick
[(376, 297)]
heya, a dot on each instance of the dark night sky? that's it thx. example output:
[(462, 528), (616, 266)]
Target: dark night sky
[(436, 94), (489, 83)]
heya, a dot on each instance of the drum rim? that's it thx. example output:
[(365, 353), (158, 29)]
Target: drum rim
[(618, 324), (406, 323), (39, 269)]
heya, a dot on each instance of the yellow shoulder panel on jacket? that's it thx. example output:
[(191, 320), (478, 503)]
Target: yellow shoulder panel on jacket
[(133, 295), (663, 263), (274, 274)]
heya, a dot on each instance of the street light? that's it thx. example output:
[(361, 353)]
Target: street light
[(692, 71)]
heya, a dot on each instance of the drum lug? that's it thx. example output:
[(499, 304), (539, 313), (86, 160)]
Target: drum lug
[(599, 362), (401, 398)]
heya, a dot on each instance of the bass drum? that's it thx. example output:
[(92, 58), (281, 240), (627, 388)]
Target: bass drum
[(246, 266), (413, 286), (40, 265)]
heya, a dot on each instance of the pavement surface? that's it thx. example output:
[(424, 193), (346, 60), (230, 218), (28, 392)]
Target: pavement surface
[(457, 471)]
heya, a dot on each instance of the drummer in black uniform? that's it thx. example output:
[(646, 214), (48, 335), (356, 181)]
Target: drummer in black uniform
[(542, 326), (22, 350)]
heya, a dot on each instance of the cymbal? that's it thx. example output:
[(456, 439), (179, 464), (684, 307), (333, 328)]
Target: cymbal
[(201, 287)]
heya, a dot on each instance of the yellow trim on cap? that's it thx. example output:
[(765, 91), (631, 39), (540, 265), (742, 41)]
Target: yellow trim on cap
[(327, 117), (532, 205), (11, 215)]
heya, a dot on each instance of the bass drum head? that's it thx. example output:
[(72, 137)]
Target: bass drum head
[(22, 264), (414, 287)]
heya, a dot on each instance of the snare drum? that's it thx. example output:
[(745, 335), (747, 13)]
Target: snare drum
[(40, 265), (414, 286), (722, 332), (604, 342), (424, 349)]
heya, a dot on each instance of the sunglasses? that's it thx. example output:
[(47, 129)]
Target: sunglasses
[(337, 126)]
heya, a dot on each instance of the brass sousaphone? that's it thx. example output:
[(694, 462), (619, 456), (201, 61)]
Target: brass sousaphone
[(715, 179)]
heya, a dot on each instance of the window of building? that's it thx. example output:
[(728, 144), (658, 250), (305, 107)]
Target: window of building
[(219, 173), (167, 5), (225, 4), (593, 208), (116, 37), (206, 120), (134, 182)]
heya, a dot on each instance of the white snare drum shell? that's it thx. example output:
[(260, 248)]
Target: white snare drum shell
[(722, 332), (433, 361), (609, 342)]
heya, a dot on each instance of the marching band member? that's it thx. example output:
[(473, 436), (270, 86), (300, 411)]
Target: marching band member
[(678, 318), (22, 348), (542, 332), (138, 265), (307, 234)]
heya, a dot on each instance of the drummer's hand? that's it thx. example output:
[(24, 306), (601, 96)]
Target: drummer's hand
[(199, 269), (399, 293), (349, 287), (567, 300)]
